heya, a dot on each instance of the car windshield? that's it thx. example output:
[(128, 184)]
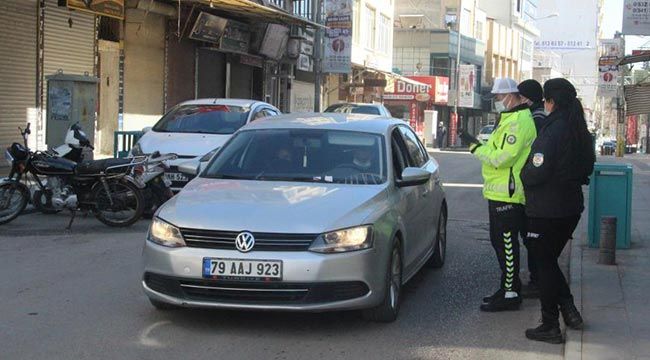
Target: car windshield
[(487, 130), (353, 109), (203, 119), (302, 155)]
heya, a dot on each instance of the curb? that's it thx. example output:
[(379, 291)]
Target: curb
[(573, 345)]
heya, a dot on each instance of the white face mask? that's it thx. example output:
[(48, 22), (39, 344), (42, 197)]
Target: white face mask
[(500, 106)]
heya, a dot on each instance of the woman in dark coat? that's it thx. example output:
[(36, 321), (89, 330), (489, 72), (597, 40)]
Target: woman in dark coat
[(560, 162)]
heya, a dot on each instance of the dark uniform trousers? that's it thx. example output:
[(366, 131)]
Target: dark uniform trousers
[(507, 221), (547, 238)]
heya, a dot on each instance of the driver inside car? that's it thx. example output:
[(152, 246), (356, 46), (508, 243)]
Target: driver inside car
[(363, 160)]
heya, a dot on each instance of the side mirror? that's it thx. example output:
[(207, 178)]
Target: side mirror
[(146, 129), (412, 176), (190, 168)]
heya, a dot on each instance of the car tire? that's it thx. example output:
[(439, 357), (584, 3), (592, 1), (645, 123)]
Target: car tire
[(389, 308), (437, 259), (162, 306)]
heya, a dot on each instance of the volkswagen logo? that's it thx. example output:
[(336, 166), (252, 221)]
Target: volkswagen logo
[(245, 241)]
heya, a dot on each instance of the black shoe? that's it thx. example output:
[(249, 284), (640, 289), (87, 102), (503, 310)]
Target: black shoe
[(530, 291), (502, 304), (571, 315), (498, 293), (547, 333)]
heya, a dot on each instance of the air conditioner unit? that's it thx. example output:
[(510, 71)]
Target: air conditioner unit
[(298, 32)]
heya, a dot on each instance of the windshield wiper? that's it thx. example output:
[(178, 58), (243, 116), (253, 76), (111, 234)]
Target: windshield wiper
[(229, 177)]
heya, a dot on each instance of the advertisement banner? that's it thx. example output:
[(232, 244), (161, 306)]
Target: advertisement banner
[(607, 76), (467, 85), (302, 97), (576, 26), (612, 47), (636, 17), (337, 57), (111, 8)]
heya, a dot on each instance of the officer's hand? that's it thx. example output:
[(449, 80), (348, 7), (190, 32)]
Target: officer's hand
[(468, 139)]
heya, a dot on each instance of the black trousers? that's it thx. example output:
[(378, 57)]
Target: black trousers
[(532, 266), (547, 238), (506, 223)]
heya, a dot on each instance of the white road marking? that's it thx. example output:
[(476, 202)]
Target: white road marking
[(147, 340), (463, 185)]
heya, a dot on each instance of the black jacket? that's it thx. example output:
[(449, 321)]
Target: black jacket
[(556, 169), (539, 116)]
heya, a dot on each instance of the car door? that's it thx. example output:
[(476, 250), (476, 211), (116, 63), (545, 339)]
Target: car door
[(406, 196), (424, 201)]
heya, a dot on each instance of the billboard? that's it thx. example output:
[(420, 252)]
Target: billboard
[(467, 80), (607, 76), (111, 8), (636, 17), (337, 57), (575, 27), (430, 88)]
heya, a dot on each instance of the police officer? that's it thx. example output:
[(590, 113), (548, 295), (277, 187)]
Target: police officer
[(503, 156), (533, 95), (560, 162)]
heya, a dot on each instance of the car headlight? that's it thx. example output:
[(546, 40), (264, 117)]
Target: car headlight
[(209, 155), (136, 150), (165, 234), (351, 239), (9, 158)]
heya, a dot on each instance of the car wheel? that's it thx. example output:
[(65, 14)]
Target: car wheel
[(388, 309), (162, 306), (437, 260)]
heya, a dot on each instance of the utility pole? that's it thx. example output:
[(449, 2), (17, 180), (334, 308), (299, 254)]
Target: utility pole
[(620, 111), (457, 75), (317, 6)]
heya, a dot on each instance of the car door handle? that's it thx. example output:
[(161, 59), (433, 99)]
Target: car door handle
[(425, 193)]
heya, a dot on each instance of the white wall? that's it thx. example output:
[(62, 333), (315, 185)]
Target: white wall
[(371, 55)]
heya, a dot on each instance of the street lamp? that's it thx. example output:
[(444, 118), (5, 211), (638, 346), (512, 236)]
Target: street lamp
[(523, 35)]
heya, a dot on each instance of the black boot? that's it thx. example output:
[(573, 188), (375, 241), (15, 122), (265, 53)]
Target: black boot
[(547, 333), (501, 303), (530, 291), (498, 293), (571, 315)]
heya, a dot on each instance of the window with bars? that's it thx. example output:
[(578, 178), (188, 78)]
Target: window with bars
[(302, 8)]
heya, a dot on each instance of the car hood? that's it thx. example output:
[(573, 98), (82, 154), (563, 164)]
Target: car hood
[(269, 206), (183, 144)]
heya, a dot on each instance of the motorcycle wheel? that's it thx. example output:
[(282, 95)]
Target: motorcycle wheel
[(159, 193), (13, 200), (127, 202), (43, 202)]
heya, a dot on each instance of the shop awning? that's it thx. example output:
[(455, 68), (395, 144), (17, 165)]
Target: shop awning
[(248, 8), (631, 59)]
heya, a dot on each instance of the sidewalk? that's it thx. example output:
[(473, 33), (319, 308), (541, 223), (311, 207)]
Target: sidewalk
[(614, 300)]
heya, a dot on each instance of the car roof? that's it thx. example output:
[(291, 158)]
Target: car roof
[(355, 104), (327, 121), (227, 102)]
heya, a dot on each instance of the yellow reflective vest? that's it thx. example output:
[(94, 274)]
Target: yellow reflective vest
[(505, 154)]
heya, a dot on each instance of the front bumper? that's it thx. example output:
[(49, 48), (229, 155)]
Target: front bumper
[(311, 282)]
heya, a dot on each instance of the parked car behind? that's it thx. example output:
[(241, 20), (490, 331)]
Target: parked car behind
[(195, 128), (353, 108), (301, 213), (485, 133)]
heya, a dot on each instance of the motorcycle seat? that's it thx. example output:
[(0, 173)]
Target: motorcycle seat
[(97, 166)]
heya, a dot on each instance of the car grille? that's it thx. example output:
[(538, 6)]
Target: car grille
[(255, 292), (212, 239)]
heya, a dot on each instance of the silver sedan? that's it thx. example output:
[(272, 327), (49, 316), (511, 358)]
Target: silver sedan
[(301, 213)]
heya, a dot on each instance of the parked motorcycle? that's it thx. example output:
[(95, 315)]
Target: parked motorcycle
[(157, 188), (105, 187)]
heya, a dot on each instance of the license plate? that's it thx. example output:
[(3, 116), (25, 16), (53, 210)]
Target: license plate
[(177, 177), (238, 269)]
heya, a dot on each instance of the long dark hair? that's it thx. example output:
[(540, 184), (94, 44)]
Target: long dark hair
[(564, 95)]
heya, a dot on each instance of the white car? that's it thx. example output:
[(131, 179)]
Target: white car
[(485, 133), (196, 128), (359, 108)]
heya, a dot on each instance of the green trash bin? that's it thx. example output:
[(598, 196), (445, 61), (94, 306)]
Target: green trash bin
[(610, 194)]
